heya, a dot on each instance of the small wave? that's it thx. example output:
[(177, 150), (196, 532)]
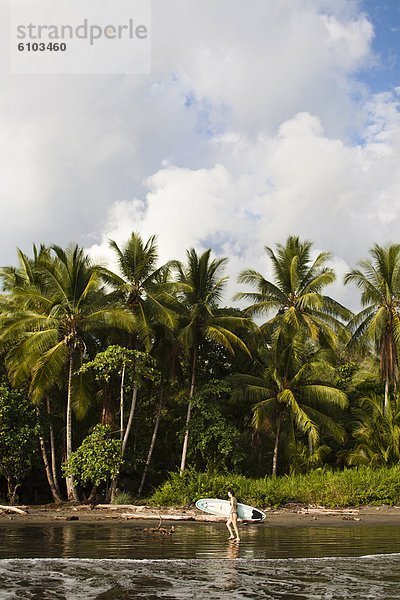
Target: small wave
[(113, 561)]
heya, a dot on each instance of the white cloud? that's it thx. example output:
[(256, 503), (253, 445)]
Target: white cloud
[(243, 134), (298, 182)]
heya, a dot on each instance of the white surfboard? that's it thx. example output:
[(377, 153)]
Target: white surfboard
[(221, 508)]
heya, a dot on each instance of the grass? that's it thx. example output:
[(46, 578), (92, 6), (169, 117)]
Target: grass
[(122, 498), (351, 487)]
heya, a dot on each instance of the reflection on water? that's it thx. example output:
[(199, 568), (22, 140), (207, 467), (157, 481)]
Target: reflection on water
[(67, 561), (193, 540)]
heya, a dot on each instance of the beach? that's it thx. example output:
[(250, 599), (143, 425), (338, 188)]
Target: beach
[(290, 516)]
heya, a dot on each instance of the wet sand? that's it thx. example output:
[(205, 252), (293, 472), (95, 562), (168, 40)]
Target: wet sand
[(290, 516)]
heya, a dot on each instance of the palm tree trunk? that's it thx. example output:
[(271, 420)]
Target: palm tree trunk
[(310, 444), (114, 482), (153, 442), (121, 404), (130, 419), (276, 447), (53, 460), (71, 491), (189, 412), (53, 452), (386, 404), (54, 491)]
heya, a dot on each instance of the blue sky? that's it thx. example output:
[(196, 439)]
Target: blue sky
[(385, 17)]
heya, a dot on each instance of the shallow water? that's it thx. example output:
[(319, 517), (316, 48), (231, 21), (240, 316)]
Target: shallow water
[(70, 561)]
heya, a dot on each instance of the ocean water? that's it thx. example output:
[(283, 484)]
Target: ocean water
[(118, 561)]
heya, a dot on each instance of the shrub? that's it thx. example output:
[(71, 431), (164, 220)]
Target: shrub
[(351, 487), (122, 498)]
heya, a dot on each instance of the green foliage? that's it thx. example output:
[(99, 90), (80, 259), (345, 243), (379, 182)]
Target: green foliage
[(201, 318), (293, 301), (378, 324), (345, 374), (316, 400), (55, 315), (122, 498), (376, 432), (112, 361), (351, 487), (302, 460), (18, 434), (142, 287), (294, 388), (214, 438), (97, 459)]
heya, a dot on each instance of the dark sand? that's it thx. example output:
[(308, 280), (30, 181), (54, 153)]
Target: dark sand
[(291, 515)]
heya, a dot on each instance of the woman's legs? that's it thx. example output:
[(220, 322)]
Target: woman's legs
[(228, 524), (235, 527)]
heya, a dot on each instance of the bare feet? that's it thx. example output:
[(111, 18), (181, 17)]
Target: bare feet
[(231, 537)]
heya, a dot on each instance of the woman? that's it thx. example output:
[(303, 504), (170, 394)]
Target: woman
[(232, 519)]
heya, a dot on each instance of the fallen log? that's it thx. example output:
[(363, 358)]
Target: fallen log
[(156, 516), (121, 507), (327, 511), (13, 509)]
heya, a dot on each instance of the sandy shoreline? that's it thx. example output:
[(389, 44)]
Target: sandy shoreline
[(291, 516)]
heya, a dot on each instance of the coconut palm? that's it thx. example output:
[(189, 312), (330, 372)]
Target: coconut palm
[(201, 319), (293, 301), (376, 432), (378, 323), (26, 273), (142, 286), (294, 389), (165, 351), (56, 321), (25, 276)]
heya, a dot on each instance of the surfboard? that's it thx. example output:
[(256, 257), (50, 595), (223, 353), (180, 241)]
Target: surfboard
[(221, 508)]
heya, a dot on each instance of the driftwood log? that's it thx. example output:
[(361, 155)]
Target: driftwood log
[(13, 509), (151, 517), (326, 511)]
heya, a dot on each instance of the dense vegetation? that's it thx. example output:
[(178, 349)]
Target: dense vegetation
[(111, 379)]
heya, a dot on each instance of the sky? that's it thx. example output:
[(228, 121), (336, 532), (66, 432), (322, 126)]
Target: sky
[(260, 119)]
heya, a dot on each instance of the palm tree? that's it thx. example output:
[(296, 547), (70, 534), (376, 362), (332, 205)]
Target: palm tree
[(201, 319), (54, 323), (376, 432), (142, 286), (145, 289), (293, 388), (24, 276), (378, 322), (293, 301)]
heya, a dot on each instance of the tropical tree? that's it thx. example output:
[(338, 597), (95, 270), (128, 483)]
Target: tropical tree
[(378, 323), (18, 437), (293, 390), (26, 276), (143, 287), (201, 318), (131, 367), (376, 432), (97, 459), (54, 323), (165, 352), (293, 301)]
